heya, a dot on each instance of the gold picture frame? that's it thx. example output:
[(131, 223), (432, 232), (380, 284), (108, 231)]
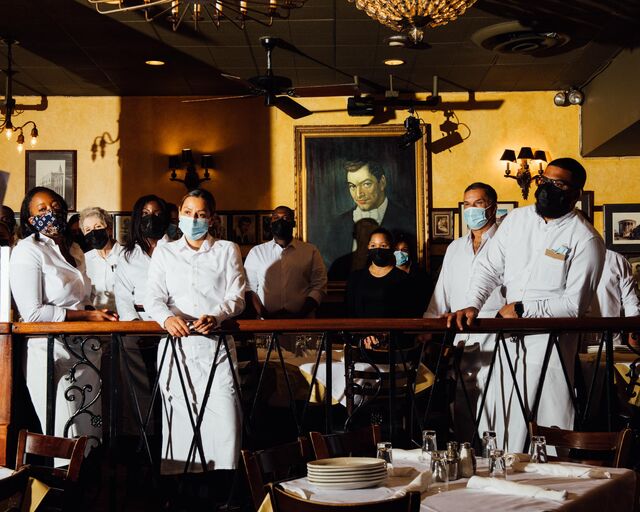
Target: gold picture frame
[(324, 205)]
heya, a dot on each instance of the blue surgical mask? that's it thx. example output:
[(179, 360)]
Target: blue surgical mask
[(402, 258), (193, 229), (476, 218)]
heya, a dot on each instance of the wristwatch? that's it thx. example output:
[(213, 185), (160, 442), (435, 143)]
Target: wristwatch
[(519, 309)]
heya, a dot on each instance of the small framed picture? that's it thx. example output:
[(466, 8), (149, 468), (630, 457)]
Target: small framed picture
[(54, 169), (121, 225), (504, 207), (622, 227), (264, 227), (635, 266), (218, 227), (441, 228), (585, 203), (243, 228)]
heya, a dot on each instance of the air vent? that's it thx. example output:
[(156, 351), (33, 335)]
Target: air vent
[(513, 38)]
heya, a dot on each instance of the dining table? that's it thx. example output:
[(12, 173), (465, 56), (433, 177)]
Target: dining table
[(616, 493), (33, 496)]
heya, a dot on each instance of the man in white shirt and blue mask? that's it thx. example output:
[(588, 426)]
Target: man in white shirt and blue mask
[(480, 204), (548, 260)]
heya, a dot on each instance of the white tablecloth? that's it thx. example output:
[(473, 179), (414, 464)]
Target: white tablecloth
[(585, 495)]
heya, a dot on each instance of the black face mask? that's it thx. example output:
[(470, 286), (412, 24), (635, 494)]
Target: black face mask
[(551, 202), (382, 257), (153, 226), (97, 238), (81, 241), (4, 243), (282, 229)]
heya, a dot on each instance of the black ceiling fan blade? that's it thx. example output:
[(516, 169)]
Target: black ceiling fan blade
[(291, 108), (219, 98)]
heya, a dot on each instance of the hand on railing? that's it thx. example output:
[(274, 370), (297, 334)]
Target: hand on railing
[(463, 318)]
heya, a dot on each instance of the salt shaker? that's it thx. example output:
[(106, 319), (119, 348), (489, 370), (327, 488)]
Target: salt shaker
[(453, 460), (466, 468)]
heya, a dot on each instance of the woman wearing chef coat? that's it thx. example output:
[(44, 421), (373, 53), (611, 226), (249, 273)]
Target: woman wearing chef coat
[(197, 279), (49, 284)]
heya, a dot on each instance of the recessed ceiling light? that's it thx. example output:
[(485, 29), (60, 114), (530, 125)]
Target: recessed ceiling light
[(394, 62), (154, 62)]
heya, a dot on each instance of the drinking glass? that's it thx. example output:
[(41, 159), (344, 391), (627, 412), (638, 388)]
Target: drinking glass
[(384, 453), (497, 464), (429, 444), (539, 449), (439, 472), (489, 443)]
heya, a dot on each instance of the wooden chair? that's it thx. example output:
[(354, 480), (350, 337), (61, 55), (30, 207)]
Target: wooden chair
[(274, 465), (346, 444), (282, 501), (12, 490), (611, 449)]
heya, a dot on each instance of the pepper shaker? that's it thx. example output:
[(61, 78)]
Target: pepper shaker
[(466, 467)]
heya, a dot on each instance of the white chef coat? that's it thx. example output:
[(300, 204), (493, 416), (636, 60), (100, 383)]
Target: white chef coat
[(450, 295), (189, 283), (553, 268), (44, 286), (616, 294), (284, 277), (101, 272), (130, 284)]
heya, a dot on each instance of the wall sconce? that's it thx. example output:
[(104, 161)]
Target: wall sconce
[(523, 173), (185, 161)]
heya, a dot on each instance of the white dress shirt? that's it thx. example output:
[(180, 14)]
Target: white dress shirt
[(616, 294), (457, 268), (284, 277), (130, 284), (102, 271), (44, 284), (552, 267), (188, 283)]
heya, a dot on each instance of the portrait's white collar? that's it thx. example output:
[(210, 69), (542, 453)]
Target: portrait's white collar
[(376, 214)]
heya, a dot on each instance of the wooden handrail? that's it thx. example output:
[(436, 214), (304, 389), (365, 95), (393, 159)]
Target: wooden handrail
[(484, 325)]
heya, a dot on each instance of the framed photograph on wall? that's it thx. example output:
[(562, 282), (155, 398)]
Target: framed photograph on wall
[(219, 226), (504, 207), (264, 227), (441, 227), (345, 174), (622, 227), (121, 225), (585, 203), (243, 228), (54, 169)]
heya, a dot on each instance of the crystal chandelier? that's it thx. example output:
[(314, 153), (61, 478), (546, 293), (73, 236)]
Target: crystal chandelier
[(412, 17), (198, 11)]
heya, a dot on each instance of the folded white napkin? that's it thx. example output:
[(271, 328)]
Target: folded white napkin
[(514, 488), (561, 470), (418, 484), (293, 487), (414, 455)]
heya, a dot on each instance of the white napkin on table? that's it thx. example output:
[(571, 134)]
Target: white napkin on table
[(418, 484), (514, 488), (560, 470), (414, 455)]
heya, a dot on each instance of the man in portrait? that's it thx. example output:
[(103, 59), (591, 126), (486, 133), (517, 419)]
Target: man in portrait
[(367, 185)]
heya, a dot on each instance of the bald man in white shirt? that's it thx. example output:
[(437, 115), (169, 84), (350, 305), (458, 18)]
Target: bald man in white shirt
[(480, 203), (549, 260)]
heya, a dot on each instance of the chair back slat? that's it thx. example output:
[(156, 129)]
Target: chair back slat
[(346, 444)]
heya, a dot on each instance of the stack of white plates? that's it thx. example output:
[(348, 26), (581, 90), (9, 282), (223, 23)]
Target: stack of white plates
[(346, 472)]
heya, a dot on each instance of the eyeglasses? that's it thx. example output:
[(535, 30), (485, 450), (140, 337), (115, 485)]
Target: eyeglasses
[(561, 184)]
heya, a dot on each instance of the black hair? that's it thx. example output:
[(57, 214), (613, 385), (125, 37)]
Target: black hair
[(578, 172), (135, 235), (202, 194), (382, 231), (172, 207), (292, 213), (491, 192), (409, 240), (26, 229), (374, 167), (11, 221)]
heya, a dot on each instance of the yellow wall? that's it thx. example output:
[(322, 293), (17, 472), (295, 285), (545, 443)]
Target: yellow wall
[(254, 147)]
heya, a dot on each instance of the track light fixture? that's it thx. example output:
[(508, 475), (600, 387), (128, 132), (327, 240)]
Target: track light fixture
[(413, 133), (572, 96)]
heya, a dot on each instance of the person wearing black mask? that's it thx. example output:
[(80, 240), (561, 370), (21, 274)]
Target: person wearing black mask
[(547, 259), (381, 290), (286, 277), (102, 258), (75, 232), (149, 221)]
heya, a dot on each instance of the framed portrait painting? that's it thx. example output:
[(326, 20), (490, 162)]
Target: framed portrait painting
[(504, 207), (243, 228), (54, 169), (442, 224), (622, 227), (218, 227), (264, 226), (352, 179), (121, 225)]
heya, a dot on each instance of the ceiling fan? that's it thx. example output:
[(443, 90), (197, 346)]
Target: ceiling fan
[(278, 90)]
